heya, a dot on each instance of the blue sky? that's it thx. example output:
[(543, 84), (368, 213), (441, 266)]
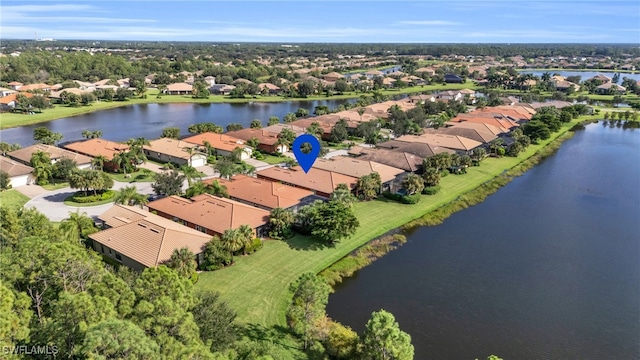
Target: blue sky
[(513, 21)]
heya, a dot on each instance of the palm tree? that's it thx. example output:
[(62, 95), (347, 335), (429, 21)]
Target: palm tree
[(253, 142), (209, 147), (280, 221), (129, 196), (190, 173), (431, 176), (216, 189), (413, 184), (246, 233), (343, 194), (77, 225), (232, 240), (123, 160), (98, 162), (183, 262)]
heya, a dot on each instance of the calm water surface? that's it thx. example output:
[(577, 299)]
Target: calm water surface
[(148, 120), (546, 268)]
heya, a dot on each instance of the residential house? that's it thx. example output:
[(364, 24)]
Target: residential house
[(602, 78), (6, 91), (555, 103), (210, 214), (11, 101), (422, 150), (270, 88), (454, 142), (55, 154), (179, 89), (19, 174), (566, 85), (83, 85), (36, 87), (426, 70), (277, 128), (266, 194), (98, 147), (139, 239), (397, 159), (608, 88), (465, 132), (358, 168), (175, 151), (388, 82), (373, 73), (332, 76), (268, 141), (221, 89), (453, 79), (210, 80), (320, 182), (15, 85), (242, 81), (223, 144)]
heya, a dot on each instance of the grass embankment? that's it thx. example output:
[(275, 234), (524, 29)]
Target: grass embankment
[(257, 286), (9, 120), (13, 198), (143, 175), (56, 185)]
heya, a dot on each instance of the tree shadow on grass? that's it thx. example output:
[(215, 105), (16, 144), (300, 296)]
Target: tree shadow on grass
[(276, 334), (301, 242)]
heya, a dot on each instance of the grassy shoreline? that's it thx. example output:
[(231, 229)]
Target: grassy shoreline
[(10, 120), (257, 287)]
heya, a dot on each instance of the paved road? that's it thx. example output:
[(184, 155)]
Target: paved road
[(51, 204)]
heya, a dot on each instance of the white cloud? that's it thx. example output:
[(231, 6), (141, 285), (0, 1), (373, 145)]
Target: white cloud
[(428, 22)]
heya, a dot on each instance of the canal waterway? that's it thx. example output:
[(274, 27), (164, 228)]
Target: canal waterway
[(546, 268), (148, 120)]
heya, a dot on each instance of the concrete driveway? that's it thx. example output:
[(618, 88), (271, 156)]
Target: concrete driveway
[(32, 190), (51, 204)]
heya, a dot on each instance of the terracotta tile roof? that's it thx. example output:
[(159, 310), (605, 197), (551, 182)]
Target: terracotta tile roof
[(277, 128), (326, 122), (374, 73), (218, 141), (14, 168), (15, 83), (172, 147), (35, 87), (495, 130), (449, 141), (473, 134), (263, 136), (179, 87), (211, 212), (316, 179), (420, 149), (357, 167), (146, 238), (398, 159), (333, 75), (269, 86), (266, 193), (12, 97), (494, 119), (54, 152), (95, 147)]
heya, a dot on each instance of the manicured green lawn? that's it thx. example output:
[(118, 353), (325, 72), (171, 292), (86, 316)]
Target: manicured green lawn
[(13, 198), (55, 185), (272, 159), (138, 176), (256, 286)]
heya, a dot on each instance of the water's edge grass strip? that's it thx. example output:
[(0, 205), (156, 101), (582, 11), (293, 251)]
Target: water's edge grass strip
[(379, 246)]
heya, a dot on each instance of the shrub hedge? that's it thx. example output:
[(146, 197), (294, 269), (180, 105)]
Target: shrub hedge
[(79, 197)]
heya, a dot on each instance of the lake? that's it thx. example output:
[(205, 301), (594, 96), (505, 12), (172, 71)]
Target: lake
[(148, 120), (584, 74), (546, 268)]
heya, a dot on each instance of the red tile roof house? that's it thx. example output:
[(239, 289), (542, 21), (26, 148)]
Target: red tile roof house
[(55, 154), (15, 85), (222, 143), (268, 141), (265, 194), (139, 239), (19, 174), (10, 101), (332, 76), (389, 175), (175, 151), (460, 144), (320, 182), (270, 88), (95, 147), (179, 89), (210, 214)]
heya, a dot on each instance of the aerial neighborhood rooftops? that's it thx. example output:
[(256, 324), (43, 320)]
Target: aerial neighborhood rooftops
[(96, 147), (321, 182), (55, 154)]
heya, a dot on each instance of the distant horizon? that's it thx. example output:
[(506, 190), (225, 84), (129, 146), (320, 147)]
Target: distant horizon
[(326, 22)]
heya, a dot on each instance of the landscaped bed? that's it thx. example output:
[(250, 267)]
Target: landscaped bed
[(81, 199)]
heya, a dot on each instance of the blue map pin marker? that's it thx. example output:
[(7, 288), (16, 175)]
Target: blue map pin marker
[(306, 160)]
